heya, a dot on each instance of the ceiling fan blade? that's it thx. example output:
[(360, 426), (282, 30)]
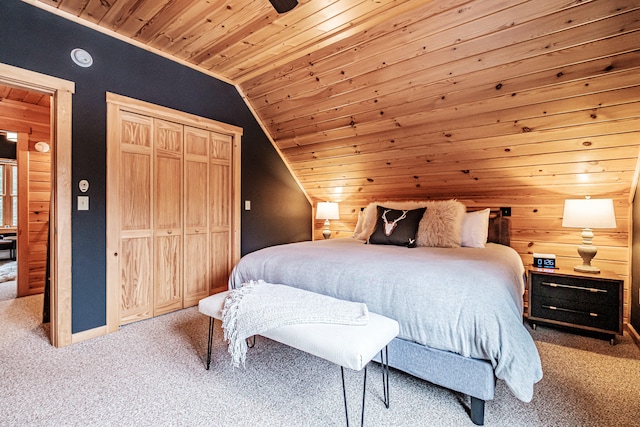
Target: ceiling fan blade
[(282, 6)]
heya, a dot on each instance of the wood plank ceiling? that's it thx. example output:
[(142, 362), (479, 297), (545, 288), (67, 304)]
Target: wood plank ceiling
[(503, 102)]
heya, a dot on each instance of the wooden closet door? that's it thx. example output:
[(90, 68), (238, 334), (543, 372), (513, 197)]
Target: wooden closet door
[(196, 214), (136, 238), (220, 198), (167, 196), (173, 216)]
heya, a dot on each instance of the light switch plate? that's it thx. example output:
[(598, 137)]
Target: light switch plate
[(247, 205), (83, 203)]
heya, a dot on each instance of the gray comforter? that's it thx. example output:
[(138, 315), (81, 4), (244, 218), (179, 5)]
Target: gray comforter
[(464, 300)]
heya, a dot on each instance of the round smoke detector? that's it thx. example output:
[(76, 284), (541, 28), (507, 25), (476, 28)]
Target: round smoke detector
[(81, 57), (42, 147)]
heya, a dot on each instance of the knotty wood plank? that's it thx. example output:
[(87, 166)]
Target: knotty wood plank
[(74, 7), (438, 48), (573, 64), (443, 135), (415, 24), (173, 14), (94, 10), (309, 48), (200, 30), (447, 119), (504, 103)]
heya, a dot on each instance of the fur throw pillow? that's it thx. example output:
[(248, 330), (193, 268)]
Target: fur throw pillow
[(441, 225)]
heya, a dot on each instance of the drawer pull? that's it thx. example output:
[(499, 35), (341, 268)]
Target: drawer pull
[(580, 288), (552, 307)]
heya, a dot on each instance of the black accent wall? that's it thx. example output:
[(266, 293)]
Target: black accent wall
[(36, 40)]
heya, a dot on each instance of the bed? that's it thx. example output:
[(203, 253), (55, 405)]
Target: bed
[(459, 308)]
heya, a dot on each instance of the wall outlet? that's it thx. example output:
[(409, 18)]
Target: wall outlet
[(506, 211)]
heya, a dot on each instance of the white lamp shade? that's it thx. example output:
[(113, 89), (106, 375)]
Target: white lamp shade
[(327, 210), (589, 213)]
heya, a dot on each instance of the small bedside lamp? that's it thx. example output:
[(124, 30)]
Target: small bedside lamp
[(327, 211), (587, 214)]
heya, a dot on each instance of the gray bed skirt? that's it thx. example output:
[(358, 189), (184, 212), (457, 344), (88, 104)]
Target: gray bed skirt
[(473, 377)]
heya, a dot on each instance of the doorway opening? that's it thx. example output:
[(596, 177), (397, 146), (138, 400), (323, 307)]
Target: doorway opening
[(59, 225), (8, 203)]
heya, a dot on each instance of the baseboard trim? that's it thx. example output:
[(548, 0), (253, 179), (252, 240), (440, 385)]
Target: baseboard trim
[(634, 334), (89, 334)]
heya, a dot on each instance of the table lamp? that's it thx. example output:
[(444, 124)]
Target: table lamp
[(327, 211), (588, 214)]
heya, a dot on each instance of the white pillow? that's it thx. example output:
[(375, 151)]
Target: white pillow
[(475, 228), (358, 230)]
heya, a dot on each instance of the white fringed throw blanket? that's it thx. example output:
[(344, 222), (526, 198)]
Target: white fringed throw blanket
[(259, 306)]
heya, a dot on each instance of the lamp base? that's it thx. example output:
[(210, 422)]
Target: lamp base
[(326, 233), (587, 251), (587, 269)]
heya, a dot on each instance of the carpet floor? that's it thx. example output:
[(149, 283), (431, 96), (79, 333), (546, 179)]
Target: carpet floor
[(151, 373)]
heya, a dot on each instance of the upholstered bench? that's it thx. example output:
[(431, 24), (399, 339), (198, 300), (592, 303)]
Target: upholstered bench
[(348, 346)]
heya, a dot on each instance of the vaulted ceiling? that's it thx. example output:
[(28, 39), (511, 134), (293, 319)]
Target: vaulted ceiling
[(371, 99)]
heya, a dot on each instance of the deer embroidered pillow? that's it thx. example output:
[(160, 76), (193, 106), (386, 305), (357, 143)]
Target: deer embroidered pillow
[(396, 227)]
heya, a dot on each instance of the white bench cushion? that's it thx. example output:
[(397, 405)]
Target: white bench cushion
[(212, 305), (345, 345)]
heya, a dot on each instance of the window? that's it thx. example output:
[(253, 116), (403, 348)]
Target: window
[(8, 193)]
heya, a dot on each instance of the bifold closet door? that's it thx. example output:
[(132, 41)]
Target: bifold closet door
[(173, 216), (196, 214), (220, 197), (135, 133), (167, 212)]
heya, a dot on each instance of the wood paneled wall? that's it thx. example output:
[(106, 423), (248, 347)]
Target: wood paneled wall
[(539, 105), (28, 112)]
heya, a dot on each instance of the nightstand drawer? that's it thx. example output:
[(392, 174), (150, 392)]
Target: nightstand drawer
[(571, 312), (587, 292)]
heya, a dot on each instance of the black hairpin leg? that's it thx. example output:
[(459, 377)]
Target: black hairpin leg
[(384, 361), (210, 339), (385, 376), (253, 342), (364, 395)]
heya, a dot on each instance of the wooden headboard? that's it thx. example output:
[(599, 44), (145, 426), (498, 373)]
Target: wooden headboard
[(499, 228)]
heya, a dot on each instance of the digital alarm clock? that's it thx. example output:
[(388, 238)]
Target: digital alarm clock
[(544, 260)]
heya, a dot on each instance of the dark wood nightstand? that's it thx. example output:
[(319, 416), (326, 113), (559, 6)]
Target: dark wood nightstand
[(565, 297)]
